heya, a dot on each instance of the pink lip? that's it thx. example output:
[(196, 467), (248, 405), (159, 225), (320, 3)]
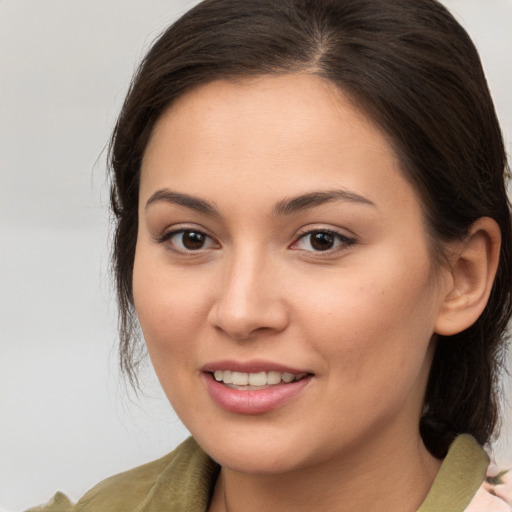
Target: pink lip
[(254, 366), (252, 401)]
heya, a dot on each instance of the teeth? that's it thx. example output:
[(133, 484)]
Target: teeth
[(273, 378), (258, 379), (255, 379), (240, 379), (288, 377)]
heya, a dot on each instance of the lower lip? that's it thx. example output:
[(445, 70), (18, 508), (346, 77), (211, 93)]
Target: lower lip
[(253, 401)]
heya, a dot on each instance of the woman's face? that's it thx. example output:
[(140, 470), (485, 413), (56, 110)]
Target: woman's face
[(279, 241)]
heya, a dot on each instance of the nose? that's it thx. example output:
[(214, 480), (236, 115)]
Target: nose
[(249, 300)]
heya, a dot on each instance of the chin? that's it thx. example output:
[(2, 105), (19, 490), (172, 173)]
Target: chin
[(254, 461), (258, 452)]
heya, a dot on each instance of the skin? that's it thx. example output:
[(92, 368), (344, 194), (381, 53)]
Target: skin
[(360, 317)]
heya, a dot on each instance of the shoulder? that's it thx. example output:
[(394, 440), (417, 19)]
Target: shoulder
[(59, 503), (124, 490), (462, 482), (132, 490), (486, 501), (495, 493)]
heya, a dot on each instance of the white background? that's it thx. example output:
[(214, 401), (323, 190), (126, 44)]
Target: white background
[(66, 421)]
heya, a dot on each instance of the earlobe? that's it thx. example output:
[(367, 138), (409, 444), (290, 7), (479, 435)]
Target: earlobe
[(473, 266)]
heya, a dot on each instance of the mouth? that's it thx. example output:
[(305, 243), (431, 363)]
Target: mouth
[(244, 381), (254, 387)]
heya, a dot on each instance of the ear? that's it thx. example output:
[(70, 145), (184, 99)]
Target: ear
[(473, 266)]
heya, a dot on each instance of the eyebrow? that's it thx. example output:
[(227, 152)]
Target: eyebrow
[(282, 208), (191, 202), (313, 199)]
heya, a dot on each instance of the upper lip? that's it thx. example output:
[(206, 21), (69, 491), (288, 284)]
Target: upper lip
[(254, 366)]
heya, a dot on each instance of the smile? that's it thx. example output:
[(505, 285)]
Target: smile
[(255, 381), (254, 387)]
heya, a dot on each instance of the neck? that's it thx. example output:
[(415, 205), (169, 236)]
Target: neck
[(375, 477)]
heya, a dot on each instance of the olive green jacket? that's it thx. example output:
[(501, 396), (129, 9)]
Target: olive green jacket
[(183, 481)]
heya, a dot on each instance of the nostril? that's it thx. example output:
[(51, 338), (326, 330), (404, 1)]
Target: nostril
[(246, 304), (247, 325)]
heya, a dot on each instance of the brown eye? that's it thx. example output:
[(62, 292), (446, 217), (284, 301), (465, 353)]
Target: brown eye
[(323, 241), (193, 240), (188, 240)]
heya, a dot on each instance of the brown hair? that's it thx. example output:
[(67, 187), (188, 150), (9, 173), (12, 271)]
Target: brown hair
[(414, 70)]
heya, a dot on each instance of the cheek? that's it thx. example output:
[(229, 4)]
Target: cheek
[(373, 322), (170, 306)]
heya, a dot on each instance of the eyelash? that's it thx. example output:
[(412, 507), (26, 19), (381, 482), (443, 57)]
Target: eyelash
[(343, 241), (169, 235)]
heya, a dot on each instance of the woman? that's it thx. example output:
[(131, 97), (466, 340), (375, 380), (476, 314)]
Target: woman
[(314, 236)]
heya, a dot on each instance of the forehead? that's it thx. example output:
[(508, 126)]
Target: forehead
[(271, 133), (292, 106)]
